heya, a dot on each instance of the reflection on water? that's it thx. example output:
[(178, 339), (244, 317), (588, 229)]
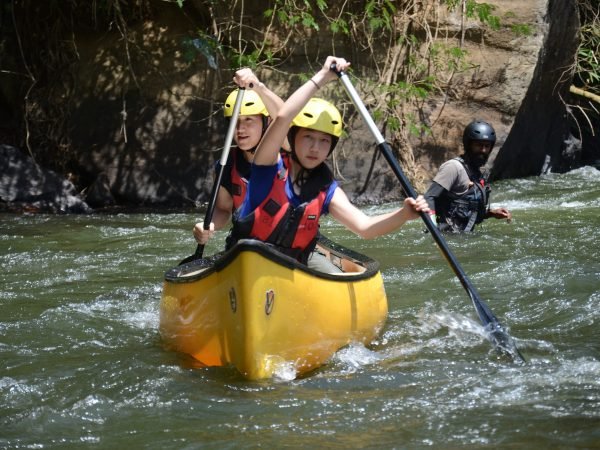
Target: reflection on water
[(83, 362)]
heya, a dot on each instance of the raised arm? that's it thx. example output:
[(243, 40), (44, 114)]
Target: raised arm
[(268, 150), (246, 78)]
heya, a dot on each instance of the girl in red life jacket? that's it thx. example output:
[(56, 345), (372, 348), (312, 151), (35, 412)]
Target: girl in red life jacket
[(258, 106), (285, 198)]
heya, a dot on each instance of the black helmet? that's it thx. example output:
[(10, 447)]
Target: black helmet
[(479, 130)]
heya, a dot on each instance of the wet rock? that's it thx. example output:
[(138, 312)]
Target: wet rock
[(25, 186), (99, 194)]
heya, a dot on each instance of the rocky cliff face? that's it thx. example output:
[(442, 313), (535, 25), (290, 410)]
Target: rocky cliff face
[(148, 128), (539, 139), (519, 88), (519, 85)]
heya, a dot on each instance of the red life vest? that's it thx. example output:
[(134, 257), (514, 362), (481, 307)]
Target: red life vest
[(276, 221), (239, 184)]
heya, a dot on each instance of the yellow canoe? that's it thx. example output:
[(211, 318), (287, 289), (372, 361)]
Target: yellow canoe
[(260, 311)]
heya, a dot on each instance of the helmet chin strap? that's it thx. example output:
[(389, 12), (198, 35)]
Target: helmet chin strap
[(292, 140), (303, 173), (297, 160)]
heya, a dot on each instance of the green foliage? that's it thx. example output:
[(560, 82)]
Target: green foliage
[(380, 14), (394, 41), (456, 57), (340, 25), (473, 9), (521, 29), (484, 12), (290, 14), (249, 59), (425, 68), (587, 68)]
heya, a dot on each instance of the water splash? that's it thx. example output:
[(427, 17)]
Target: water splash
[(354, 357)]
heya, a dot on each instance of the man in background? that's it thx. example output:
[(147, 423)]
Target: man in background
[(459, 194)]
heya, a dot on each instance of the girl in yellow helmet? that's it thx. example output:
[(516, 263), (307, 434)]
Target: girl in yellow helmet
[(259, 104), (287, 196)]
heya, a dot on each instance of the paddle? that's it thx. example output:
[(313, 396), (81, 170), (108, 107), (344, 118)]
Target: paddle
[(495, 332), (215, 189)]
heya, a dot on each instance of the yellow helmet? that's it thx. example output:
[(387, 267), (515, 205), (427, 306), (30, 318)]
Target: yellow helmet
[(251, 105), (320, 115)]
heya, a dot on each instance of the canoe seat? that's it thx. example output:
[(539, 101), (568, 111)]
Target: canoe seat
[(347, 265)]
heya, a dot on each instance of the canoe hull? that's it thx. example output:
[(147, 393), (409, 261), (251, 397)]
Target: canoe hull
[(260, 311)]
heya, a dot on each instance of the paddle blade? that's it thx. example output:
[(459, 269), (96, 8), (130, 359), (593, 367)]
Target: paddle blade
[(503, 342), (494, 330)]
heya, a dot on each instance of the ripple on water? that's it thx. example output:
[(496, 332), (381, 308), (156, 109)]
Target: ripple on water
[(83, 362)]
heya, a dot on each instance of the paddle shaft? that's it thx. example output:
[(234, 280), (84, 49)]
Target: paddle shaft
[(496, 331), (217, 183)]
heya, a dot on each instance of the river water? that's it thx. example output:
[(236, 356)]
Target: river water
[(83, 365)]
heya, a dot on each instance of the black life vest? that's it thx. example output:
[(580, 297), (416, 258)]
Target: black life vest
[(460, 213), (293, 230)]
